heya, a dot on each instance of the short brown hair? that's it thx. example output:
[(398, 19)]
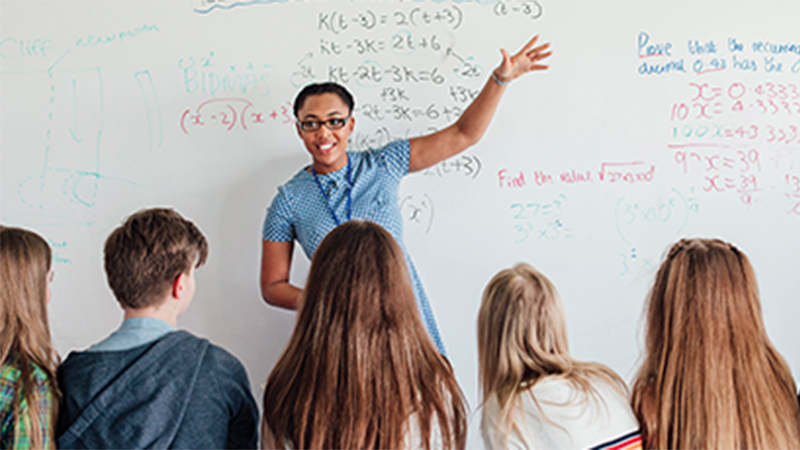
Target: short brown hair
[(145, 254)]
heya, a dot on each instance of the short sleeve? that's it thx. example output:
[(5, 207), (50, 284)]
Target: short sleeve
[(278, 222), (394, 157)]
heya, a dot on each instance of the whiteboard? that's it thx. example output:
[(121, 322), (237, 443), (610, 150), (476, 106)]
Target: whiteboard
[(656, 120)]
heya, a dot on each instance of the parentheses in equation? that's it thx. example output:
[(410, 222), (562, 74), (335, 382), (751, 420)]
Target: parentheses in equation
[(616, 221), (412, 16), (480, 166), (333, 22), (373, 20), (539, 9), (183, 121), (685, 210), (459, 17), (234, 117), (500, 8), (244, 115), (430, 219)]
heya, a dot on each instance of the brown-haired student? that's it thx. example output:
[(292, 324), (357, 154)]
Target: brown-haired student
[(148, 385)]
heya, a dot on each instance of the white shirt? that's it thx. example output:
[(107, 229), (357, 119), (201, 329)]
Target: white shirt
[(576, 420)]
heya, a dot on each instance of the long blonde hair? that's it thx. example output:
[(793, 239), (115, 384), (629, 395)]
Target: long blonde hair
[(711, 378), (522, 339), (360, 371), (25, 260)]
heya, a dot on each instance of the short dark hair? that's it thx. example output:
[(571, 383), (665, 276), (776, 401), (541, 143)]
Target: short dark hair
[(144, 255), (323, 88)]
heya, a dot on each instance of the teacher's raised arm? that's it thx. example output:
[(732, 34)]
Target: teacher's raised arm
[(339, 185), (431, 149)]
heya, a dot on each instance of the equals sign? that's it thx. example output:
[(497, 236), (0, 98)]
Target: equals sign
[(383, 19), (417, 112)]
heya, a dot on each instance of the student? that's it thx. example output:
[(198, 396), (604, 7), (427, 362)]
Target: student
[(28, 392), (148, 385), (359, 371), (711, 378), (339, 185), (535, 395)]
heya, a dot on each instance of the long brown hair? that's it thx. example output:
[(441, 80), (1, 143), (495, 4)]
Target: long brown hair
[(522, 339), (360, 371), (25, 260), (711, 378)]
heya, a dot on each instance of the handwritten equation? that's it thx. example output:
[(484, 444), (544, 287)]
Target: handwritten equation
[(530, 9), (232, 113), (640, 216), (711, 101), (540, 220), (336, 22)]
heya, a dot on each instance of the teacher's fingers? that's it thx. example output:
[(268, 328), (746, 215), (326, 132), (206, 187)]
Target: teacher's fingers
[(539, 52), (528, 46)]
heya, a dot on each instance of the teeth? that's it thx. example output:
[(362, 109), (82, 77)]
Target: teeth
[(326, 147)]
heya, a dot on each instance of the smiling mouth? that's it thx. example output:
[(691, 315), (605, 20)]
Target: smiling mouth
[(326, 148)]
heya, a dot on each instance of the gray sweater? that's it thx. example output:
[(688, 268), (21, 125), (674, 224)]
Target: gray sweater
[(177, 392)]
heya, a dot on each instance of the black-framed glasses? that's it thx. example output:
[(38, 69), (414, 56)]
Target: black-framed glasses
[(331, 124)]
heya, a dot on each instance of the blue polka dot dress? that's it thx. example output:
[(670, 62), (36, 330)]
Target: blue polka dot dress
[(300, 212)]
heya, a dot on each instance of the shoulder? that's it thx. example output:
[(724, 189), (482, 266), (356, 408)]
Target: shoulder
[(288, 193), (299, 182), (395, 149), (221, 357), (226, 369), (392, 157)]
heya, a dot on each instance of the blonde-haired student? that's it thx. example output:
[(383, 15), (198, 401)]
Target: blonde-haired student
[(711, 378), (28, 391), (535, 394)]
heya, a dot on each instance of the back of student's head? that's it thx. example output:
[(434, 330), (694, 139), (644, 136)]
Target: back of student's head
[(25, 260), (522, 339), (711, 378), (360, 370), (521, 330), (145, 255)]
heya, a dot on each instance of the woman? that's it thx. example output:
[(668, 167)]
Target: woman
[(28, 392), (710, 377), (535, 395), (340, 185), (359, 371)]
